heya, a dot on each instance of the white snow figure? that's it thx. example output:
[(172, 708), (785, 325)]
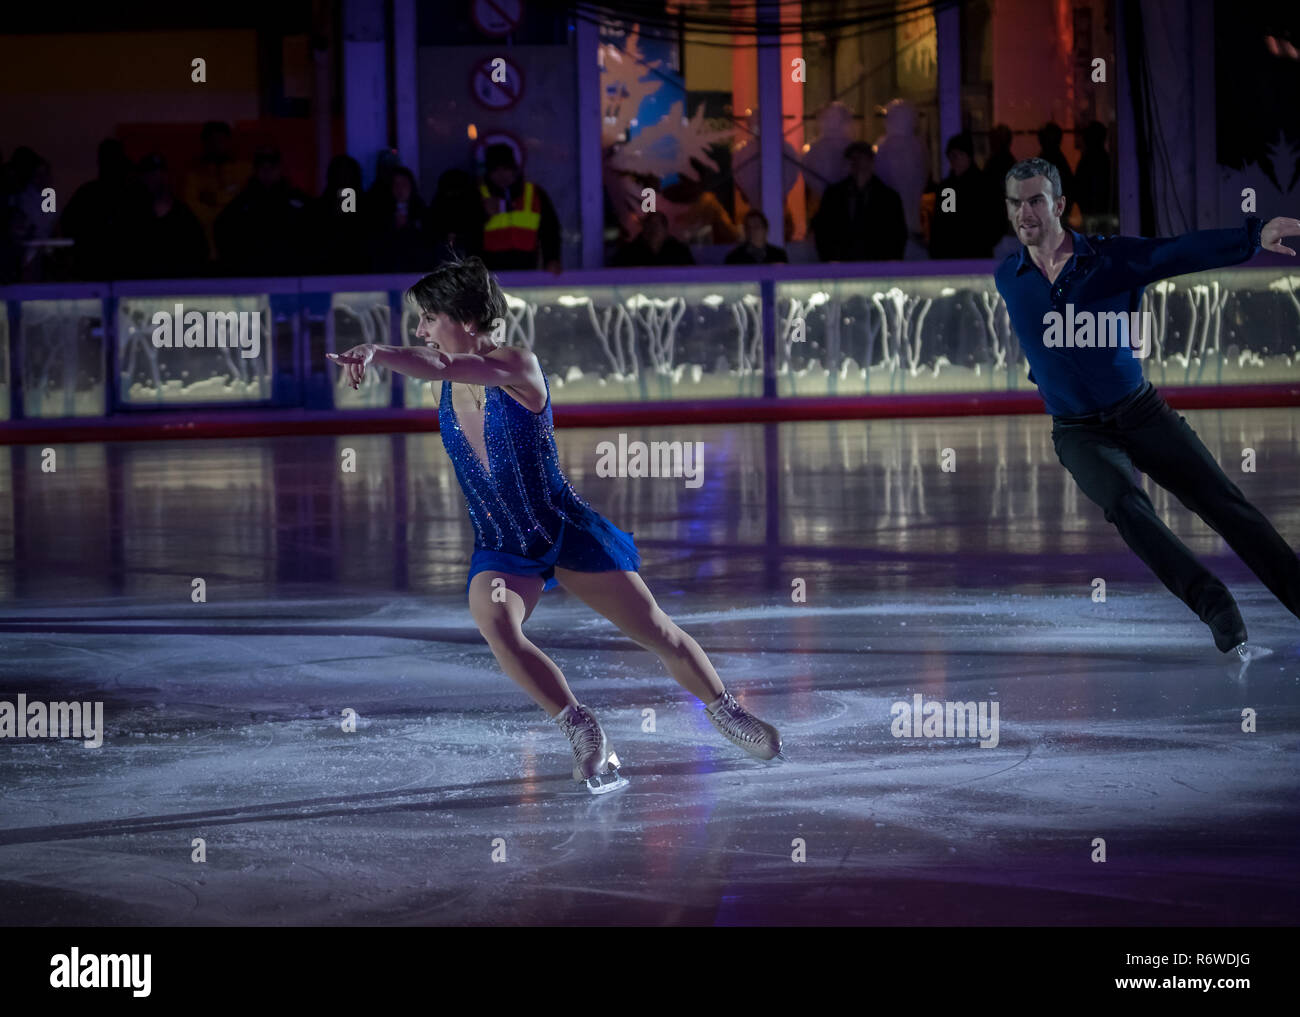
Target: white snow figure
[(903, 162), (747, 168), (659, 149), (824, 161)]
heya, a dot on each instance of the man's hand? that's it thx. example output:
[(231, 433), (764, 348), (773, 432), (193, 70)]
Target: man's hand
[(554, 267), (355, 361), (1270, 238)]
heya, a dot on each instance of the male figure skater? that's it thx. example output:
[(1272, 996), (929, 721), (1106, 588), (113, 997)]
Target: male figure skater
[(1107, 418)]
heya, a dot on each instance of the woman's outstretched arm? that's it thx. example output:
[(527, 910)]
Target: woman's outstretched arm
[(507, 366)]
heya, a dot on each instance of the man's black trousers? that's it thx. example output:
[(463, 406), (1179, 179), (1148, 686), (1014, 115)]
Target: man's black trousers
[(1143, 431)]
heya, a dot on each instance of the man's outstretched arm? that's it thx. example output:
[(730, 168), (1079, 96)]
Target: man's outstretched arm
[(1152, 260)]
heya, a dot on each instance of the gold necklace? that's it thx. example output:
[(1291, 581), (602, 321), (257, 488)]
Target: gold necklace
[(478, 401)]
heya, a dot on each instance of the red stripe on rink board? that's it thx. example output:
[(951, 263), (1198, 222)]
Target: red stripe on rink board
[(233, 423)]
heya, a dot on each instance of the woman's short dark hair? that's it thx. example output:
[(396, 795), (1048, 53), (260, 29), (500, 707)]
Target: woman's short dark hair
[(464, 290)]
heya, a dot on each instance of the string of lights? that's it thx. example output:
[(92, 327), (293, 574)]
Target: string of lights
[(757, 24)]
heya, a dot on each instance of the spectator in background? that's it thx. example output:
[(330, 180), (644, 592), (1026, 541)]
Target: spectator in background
[(1092, 181), (171, 241), (17, 173), (996, 169), (654, 245), (401, 242), (29, 199), (756, 250), (1000, 158), (520, 225), (339, 223), (386, 162), (1049, 141), (103, 217), (18, 261), (860, 218), (214, 178), (455, 217), (261, 231), (964, 223)]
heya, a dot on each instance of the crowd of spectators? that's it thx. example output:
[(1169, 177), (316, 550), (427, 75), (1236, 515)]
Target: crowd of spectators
[(221, 215), (224, 216)]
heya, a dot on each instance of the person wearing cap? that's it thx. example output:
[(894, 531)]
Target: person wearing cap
[(962, 226), (860, 217), (520, 225)]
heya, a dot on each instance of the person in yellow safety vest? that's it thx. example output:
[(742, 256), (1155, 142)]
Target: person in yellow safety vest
[(520, 225), (215, 179)]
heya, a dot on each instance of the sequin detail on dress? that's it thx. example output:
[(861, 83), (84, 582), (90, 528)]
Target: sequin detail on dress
[(522, 500)]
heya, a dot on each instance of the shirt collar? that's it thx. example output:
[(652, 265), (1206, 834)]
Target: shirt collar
[(1081, 247)]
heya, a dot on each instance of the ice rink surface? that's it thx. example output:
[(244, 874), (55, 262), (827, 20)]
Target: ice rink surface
[(452, 801)]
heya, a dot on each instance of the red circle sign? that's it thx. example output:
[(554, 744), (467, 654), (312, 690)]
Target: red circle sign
[(496, 95), (498, 17)]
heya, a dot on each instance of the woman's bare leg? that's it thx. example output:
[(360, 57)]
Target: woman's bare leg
[(626, 601), (501, 621)]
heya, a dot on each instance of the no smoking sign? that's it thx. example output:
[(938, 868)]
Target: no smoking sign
[(498, 17), (496, 83)]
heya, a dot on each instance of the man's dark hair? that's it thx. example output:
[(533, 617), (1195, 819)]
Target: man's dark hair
[(1035, 167), (754, 213), (464, 290), (859, 146)]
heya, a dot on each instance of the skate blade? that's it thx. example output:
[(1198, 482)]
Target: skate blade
[(1246, 652), (604, 783)]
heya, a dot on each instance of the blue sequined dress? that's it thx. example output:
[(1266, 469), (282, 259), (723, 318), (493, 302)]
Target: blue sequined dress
[(527, 517)]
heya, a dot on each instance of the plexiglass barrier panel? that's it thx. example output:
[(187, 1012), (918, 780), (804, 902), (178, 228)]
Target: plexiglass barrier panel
[(630, 343), (62, 353), (357, 318), (891, 336), (1228, 327), (194, 349), (952, 334)]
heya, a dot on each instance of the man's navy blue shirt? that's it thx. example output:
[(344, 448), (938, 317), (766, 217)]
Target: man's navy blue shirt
[(1105, 274)]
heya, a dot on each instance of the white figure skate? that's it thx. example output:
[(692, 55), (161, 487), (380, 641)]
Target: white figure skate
[(595, 763), (742, 728)]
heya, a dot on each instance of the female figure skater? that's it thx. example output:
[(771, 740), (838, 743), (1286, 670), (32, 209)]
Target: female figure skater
[(531, 529)]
